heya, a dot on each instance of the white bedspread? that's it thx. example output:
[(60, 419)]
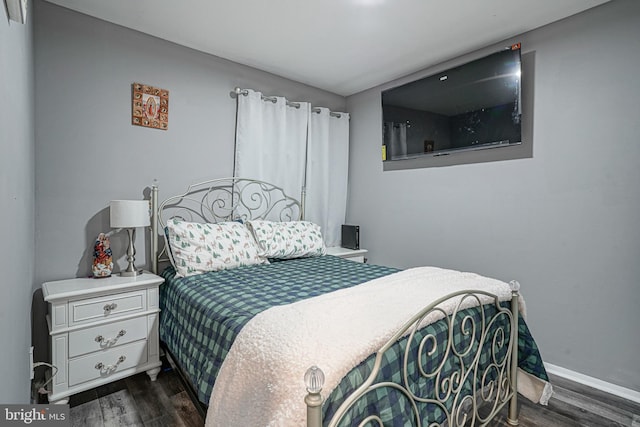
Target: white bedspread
[(261, 380)]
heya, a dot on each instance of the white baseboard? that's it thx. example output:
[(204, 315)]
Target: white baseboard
[(616, 390)]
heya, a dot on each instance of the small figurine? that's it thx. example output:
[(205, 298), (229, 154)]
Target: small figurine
[(102, 259)]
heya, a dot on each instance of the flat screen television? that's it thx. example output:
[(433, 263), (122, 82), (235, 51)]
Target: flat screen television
[(474, 106)]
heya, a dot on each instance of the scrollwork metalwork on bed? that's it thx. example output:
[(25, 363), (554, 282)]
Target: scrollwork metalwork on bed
[(461, 372), (462, 360), (223, 199)]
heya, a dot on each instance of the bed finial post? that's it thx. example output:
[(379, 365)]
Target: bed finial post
[(314, 380), (303, 201), (154, 227), (512, 418)]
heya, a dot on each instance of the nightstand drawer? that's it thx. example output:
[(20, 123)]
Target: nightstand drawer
[(91, 310), (106, 363), (106, 336)]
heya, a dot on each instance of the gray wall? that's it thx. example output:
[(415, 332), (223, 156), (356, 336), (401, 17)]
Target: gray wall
[(16, 205), (88, 153), (564, 222)]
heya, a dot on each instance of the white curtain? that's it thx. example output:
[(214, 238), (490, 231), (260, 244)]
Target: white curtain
[(327, 172), (271, 141), (288, 146)]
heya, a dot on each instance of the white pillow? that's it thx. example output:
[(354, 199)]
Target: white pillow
[(286, 240), (197, 248)]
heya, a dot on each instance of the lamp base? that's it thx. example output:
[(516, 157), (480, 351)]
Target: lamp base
[(131, 270), (131, 273)]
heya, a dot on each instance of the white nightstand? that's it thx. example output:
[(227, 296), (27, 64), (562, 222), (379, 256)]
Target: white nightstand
[(102, 330), (357, 255)]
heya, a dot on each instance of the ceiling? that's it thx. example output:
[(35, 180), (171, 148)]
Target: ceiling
[(342, 46)]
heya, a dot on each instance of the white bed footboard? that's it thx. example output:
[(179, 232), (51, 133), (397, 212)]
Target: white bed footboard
[(493, 384)]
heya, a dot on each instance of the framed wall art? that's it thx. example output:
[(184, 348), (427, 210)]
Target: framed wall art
[(150, 106)]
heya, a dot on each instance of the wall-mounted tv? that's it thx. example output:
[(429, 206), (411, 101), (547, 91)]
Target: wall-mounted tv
[(473, 106)]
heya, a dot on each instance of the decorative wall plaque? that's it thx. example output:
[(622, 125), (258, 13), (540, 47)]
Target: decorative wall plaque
[(150, 106)]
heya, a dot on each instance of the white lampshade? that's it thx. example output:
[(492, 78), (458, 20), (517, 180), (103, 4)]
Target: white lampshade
[(129, 213)]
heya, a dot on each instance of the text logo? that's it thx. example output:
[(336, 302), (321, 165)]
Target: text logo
[(35, 415)]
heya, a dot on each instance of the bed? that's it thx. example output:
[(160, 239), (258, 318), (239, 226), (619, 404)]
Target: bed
[(315, 339)]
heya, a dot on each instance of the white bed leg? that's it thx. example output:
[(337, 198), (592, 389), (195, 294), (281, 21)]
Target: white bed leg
[(314, 379), (154, 227), (512, 418)]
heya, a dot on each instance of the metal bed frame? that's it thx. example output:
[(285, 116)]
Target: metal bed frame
[(494, 384), (231, 199)]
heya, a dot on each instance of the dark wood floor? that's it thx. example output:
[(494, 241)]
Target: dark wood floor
[(136, 401)]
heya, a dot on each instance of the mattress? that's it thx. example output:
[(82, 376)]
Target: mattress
[(201, 315)]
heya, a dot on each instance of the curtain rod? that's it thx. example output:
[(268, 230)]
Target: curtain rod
[(273, 99)]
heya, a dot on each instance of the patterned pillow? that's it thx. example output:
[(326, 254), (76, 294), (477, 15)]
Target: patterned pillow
[(286, 240), (197, 248)]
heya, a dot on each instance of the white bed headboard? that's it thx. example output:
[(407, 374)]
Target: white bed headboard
[(217, 200)]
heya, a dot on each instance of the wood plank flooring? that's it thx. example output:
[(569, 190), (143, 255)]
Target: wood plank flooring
[(136, 401)]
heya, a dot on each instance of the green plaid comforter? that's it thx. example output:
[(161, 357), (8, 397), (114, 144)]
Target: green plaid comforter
[(201, 316)]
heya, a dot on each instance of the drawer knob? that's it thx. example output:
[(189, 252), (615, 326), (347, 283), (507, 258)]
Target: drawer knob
[(100, 339), (107, 308), (109, 368)]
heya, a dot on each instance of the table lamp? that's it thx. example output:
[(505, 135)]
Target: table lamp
[(130, 214)]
